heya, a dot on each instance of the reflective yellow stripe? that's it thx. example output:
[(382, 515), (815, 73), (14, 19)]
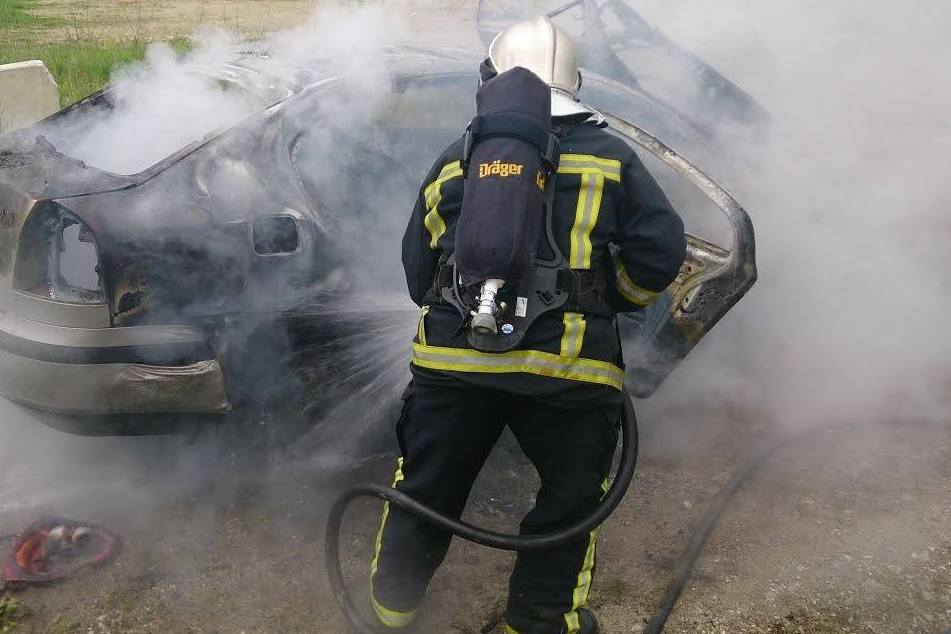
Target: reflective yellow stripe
[(605, 163), (586, 217), (594, 171), (573, 338), (421, 329), (389, 618), (397, 478), (510, 630), (433, 195), (630, 291), (528, 361), (589, 164), (579, 597)]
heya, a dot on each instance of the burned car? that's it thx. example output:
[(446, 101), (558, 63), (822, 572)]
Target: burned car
[(174, 294), (672, 91)]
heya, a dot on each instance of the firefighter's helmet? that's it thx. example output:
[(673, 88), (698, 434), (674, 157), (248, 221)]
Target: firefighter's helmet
[(549, 52)]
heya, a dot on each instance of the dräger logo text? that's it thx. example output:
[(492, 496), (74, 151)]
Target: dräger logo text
[(498, 168)]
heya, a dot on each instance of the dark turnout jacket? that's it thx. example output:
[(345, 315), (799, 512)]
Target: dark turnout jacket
[(609, 212)]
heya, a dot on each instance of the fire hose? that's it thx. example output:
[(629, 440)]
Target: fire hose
[(491, 539), (524, 543)]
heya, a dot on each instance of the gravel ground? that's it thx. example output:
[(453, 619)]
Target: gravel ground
[(842, 532)]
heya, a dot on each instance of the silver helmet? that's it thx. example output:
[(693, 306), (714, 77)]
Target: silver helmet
[(546, 50)]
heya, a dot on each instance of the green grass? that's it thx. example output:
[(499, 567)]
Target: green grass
[(80, 67), (14, 14), (12, 611)]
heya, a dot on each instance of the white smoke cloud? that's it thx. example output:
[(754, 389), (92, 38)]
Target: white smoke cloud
[(848, 196), (162, 105), (848, 320), (849, 203), (169, 101)]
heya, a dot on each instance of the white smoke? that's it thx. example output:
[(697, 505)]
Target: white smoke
[(847, 195), (849, 318), (169, 101), (163, 104)]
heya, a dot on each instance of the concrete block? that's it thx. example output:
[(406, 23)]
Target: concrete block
[(28, 93)]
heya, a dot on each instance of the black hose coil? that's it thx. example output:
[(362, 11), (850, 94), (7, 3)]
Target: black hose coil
[(491, 539)]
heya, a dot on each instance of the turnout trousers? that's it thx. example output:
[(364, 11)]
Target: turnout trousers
[(445, 433)]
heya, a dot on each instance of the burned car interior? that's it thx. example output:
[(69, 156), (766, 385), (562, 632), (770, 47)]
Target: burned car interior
[(110, 286)]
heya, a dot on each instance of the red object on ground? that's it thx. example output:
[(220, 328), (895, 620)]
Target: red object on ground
[(55, 548)]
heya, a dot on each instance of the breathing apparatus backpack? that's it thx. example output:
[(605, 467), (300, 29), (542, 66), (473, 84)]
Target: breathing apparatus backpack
[(511, 156)]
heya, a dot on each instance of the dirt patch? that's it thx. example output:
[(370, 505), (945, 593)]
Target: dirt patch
[(138, 19), (142, 20), (841, 533)]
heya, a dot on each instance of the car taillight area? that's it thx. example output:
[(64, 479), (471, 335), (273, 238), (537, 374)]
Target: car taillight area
[(58, 259)]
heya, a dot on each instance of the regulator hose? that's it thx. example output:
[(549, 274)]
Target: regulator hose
[(491, 539)]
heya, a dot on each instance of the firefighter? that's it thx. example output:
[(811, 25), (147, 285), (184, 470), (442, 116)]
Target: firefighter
[(560, 391)]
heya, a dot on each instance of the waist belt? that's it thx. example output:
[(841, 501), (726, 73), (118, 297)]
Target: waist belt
[(585, 289)]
